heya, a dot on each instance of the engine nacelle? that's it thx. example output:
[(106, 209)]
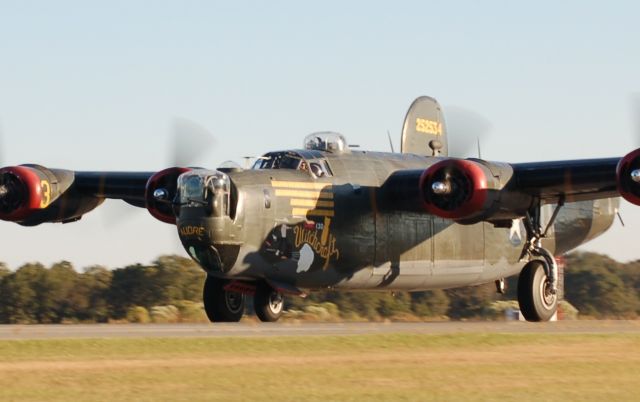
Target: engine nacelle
[(628, 177), (33, 194), (21, 192), (471, 190), (161, 206)]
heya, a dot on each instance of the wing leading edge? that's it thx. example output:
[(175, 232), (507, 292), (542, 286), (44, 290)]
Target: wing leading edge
[(577, 180)]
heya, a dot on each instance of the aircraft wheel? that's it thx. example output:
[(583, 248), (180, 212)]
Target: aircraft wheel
[(268, 303), (535, 297), (219, 304)]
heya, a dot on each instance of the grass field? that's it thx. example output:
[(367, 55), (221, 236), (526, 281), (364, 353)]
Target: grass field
[(517, 367)]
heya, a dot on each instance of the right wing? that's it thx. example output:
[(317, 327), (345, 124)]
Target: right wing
[(474, 190)]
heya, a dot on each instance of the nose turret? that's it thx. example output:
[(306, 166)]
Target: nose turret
[(206, 219)]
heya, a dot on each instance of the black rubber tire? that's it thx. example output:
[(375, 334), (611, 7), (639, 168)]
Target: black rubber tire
[(536, 301), (219, 304), (268, 303)]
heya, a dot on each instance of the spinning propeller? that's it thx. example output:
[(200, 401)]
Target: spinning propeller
[(466, 129), (635, 112), (188, 142), (4, 187), (628, 171)]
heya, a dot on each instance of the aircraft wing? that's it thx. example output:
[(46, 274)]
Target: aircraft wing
[(473, 190), (572, 180), (127, 186), (33, 194)]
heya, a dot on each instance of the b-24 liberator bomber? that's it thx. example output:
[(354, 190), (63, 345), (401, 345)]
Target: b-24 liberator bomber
[(331, 217)]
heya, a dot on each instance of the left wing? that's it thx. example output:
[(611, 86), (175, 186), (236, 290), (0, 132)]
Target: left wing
[(33, 194)]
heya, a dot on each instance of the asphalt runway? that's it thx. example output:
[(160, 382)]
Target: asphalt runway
[(255, 329)]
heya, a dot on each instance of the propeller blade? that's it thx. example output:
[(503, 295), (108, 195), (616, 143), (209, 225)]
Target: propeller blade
[(465, 130), (635, 115), (115, 212), (190, 142), (4, 189), (1, 146)]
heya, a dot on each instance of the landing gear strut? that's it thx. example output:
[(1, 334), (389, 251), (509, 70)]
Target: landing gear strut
[(268, 303), (221, 305), (538, 281)]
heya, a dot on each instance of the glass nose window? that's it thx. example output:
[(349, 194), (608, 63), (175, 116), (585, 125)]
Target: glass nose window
[(193, 189), (205, 188)]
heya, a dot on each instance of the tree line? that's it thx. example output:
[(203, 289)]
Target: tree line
[(170, 289)]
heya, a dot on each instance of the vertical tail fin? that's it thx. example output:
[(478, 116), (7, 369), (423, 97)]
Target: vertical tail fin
[(424, 131)]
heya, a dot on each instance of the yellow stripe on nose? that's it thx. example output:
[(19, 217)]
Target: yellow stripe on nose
[(301, 185), (304, 194), (311, 212), (296, 202)]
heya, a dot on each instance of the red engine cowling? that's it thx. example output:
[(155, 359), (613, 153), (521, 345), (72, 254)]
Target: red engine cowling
[(464, 189), (627, 172), (471, 190), (21, 193), (25, 190), (166, 179)]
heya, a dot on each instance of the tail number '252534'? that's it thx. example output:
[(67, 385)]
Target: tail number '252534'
[(428, 126)]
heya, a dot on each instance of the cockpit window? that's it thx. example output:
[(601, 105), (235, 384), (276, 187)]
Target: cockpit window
[(279, 160), (317, 167)]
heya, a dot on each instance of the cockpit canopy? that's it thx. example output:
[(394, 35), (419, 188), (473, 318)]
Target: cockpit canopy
[(279, 160), (326, 141), (312, 162)]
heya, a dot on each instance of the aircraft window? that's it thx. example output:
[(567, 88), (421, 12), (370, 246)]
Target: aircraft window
[(293, 160), (193, 188), (326, 141), (319, 168), (316, 170), (284, 160), (326, 168), (260, 162), (290, 162)]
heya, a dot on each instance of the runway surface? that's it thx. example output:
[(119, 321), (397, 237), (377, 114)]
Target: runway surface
[(251, 329)]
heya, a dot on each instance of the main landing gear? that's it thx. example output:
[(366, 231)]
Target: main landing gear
[(268, 303), (538, 280), (224, 301), (537, 299)]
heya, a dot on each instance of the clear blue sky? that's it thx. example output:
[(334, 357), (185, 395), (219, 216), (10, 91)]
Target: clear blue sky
[(95, 85)]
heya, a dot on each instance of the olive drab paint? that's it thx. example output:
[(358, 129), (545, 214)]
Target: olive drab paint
[(424, 131)]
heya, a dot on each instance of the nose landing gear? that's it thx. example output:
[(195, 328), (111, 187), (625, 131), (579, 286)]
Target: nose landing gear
[(220, 304), (224, 300)]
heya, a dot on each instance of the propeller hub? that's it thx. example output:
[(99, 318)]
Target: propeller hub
[(441, 188), (635, 175), (161, 194)]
